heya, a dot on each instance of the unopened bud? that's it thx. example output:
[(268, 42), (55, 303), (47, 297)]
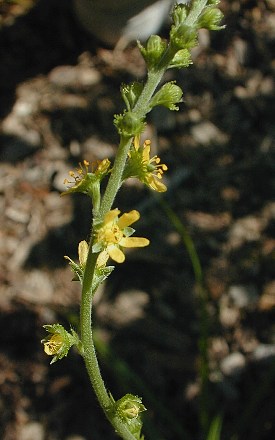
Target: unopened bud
[(210, 19), (153, 51), (169, 95)]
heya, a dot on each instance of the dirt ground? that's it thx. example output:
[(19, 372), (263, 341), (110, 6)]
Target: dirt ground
[(59, 90)]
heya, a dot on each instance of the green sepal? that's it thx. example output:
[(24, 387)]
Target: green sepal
[(77, 269), (213, 2), (100, 275), (97, 247), (128, 231), (169, 95)]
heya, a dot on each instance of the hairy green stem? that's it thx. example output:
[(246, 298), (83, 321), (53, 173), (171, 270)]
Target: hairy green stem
[(115, 178), (86, 333), (89, 355)]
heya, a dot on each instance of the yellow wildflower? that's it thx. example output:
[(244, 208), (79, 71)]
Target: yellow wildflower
[(53, 345), (115, 232), (83, 180), (59, 341), (147, 170)]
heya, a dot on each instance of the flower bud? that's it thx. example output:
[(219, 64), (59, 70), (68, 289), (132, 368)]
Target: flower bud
[(179, 14), (183, 36), (169, 95), (129, 407), (181, 59), (210, 19), (153, 51), (129, 124)]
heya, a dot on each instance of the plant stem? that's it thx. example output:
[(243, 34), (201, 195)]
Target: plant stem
[(86, 333), (115, 178), (141, 109), (90, 357)]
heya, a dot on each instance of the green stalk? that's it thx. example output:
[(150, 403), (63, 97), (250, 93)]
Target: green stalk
[(115, 178), (89, 355)]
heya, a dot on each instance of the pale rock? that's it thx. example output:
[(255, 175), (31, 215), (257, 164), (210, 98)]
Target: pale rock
[(232, 364), (32, 431), (243, 296)]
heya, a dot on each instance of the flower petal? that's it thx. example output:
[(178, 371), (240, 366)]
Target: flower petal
[(130, 242), (83, 250), (116, 254), (128, 218), (111, 215), (102, 258), (146, 151), (155, 184)]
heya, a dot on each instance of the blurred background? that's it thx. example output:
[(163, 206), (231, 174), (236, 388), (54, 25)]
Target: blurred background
[(187, 323)]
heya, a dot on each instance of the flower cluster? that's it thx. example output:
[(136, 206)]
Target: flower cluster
[(114, 234), (147, 169)]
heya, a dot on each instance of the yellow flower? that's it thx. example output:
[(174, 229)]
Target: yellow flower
[(83, 180), (115, 232), (147, 170), (59, 341), (53, 345)]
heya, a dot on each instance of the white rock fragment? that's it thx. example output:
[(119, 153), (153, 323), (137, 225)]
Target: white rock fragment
[(234, 363)]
